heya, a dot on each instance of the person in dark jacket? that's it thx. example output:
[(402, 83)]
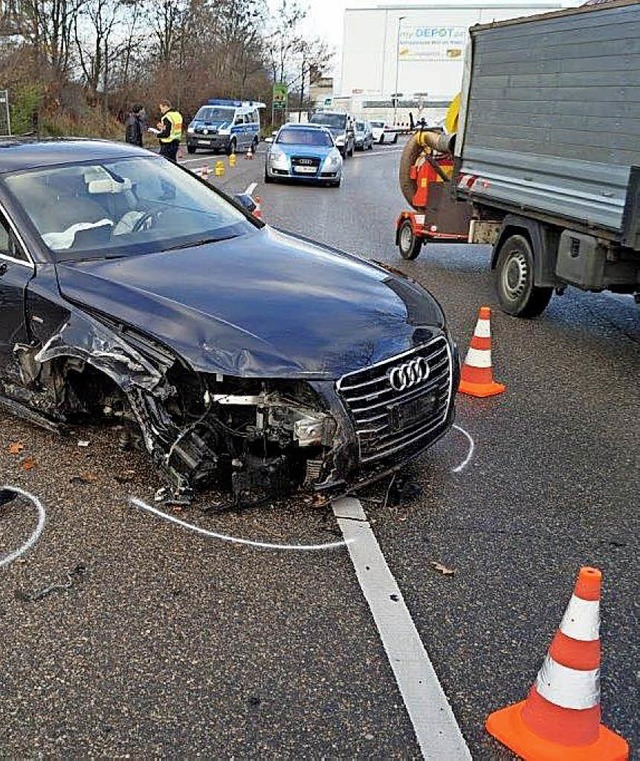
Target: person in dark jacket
[(135, 126)]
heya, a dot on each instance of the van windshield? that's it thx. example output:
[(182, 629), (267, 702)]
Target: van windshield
[(214, 114), (335, 121)]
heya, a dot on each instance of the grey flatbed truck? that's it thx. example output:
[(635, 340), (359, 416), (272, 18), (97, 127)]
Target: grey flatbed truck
[(547, 153)]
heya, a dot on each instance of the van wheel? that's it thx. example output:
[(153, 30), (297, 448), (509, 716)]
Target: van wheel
[(515, 282), (231, 148), (408, 243), (191, 149)]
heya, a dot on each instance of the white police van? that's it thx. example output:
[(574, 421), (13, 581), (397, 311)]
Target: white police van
[(228, 125)]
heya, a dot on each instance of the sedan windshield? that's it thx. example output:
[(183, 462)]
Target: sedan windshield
[(122, 207), (305, 137), (335, 121), (211, 114)]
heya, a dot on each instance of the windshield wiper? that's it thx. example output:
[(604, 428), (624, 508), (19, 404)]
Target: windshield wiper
[(201, 242)]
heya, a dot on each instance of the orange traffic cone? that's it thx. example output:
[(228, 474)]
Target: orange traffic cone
[(477, 375), (257, 212), (560, 719), (249, 153)]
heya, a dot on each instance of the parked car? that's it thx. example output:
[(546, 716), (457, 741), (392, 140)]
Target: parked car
[(363, 136), (382, 133), (227, 125), (133, 291), (303, 152), (340, 124)]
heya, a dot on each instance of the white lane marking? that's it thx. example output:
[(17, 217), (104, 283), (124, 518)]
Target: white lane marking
[(233, 539), (472, 447), (7, 559), (436, 728), (251, 188), (194, 161), (377, 154)]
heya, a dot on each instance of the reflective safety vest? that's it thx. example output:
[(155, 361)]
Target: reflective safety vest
[(176, 126)]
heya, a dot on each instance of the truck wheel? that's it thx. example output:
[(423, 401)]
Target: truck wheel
[(408, 243), (514, 280), (231, 148)]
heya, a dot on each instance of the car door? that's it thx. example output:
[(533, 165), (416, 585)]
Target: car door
[(15, 272)]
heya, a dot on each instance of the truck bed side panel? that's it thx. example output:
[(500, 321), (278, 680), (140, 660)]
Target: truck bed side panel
[(553, 114)]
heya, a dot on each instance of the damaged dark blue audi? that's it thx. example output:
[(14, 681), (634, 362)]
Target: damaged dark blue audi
[(250, 359)]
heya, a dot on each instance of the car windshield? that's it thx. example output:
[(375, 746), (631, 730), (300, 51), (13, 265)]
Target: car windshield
[(377, 124), (122, 207), (304, 137), (213, 114), (360, 126), (335, 121)]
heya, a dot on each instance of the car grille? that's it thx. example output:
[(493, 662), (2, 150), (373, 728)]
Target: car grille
[(305, 161), (387, 420)]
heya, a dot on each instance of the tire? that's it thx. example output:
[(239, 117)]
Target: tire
[(267, 179), (335, 183), (191, 149), (231, 148), (370, 146), (395, 138), (517, 293), (381, 141), (408, 244)]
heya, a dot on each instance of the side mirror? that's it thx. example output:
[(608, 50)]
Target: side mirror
[(245, 200)]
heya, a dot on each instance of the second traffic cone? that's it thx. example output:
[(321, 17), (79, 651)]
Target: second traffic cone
[(249, 153), (477, 374), (257, 212), (560, 719)]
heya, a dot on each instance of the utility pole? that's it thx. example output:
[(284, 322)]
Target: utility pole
[(395, 94)]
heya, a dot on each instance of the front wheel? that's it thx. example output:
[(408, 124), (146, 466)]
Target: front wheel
[(231, 148), (408, 243), (517, 293)]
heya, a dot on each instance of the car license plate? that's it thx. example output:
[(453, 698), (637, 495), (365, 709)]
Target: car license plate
[(305, 169), (403, 414)]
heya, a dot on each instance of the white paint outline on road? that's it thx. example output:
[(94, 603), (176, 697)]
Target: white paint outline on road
[(434, 723), (251, 188), (472, 448), (234, 539), (42, 516)]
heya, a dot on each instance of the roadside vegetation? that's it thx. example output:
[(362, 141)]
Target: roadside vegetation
[(74, 67)]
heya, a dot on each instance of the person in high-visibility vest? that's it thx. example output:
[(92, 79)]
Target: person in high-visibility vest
[(170, 127)]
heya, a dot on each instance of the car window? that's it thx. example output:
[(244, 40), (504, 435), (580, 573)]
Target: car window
[(335, 121), (214, 115), (122, 207), (9, 246), (360, 126), (316, 137)]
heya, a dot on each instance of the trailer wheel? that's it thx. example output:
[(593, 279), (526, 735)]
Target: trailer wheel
[(408, 243), (514, 280)]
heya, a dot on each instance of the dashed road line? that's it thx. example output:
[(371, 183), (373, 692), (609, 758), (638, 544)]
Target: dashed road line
[(434, 723)]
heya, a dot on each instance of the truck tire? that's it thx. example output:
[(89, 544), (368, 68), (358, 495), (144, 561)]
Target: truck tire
[(514, 280), (408, 244), (409, 157)]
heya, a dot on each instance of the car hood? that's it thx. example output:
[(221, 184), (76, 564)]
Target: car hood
[(264, 304)]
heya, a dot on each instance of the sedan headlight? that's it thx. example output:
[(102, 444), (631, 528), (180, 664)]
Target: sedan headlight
[(332, 162), (278, 159), (340, 140)]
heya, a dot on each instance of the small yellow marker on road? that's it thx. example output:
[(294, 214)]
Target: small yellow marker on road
[(219, 170), (232, 160)]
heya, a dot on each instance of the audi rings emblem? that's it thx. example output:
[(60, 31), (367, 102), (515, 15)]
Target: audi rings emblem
[(402, 377)]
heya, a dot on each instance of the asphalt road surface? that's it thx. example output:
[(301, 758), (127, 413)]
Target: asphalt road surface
[(159, 641)]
